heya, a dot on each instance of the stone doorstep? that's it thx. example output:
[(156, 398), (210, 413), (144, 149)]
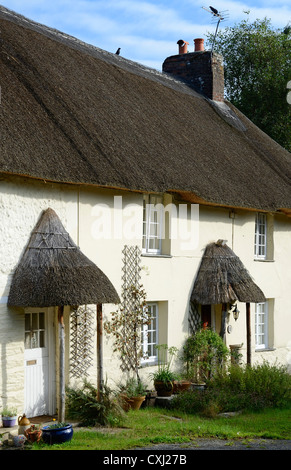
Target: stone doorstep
[(163, 402)]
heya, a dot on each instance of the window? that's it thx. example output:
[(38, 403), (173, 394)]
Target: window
[(261, 325), (150, 334), (152, 224), (261, 236), (34, 330)]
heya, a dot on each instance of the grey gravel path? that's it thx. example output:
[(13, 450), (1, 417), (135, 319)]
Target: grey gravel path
[(219, 444)]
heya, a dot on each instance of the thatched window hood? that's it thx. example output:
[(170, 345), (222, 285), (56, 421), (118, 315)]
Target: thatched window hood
[(54, 272), (222, 278)]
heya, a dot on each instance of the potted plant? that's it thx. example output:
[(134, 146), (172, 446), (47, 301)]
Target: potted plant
[(163, 378), (181, 384), (9, 417), (57, 433), (33, 433), (132, 394)]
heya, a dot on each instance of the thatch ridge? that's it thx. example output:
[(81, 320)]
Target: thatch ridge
[(73, 113), (222, 278), (54, 272)]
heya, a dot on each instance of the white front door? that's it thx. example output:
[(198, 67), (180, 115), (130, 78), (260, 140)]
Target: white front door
[(39, 389)]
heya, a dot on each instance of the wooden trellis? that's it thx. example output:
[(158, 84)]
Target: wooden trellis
[(194, 317), (81, 341), (131, 277)]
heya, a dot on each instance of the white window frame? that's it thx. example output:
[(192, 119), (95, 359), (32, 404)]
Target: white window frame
[(261, 325), (261, 236), (35, 334), (152, 224), (148, 333)]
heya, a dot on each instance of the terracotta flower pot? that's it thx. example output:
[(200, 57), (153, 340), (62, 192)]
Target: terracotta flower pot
[(133, 403), (164, 389), (181, 385), (33, 434)]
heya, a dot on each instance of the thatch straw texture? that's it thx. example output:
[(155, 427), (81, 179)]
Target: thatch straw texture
[(77, 114), (54, 272), (222, 278)]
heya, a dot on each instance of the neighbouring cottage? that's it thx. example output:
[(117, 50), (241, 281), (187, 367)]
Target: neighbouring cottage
[(114, 174)]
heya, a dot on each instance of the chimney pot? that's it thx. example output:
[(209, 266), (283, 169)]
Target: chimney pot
[(182, 46), (201, 70), (199, 44)]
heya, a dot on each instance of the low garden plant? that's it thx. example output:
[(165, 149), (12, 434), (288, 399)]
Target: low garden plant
[(84, 406), (240, 387)]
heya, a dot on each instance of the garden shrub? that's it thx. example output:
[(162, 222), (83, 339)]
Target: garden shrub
[(204, 355), (240, 388), (254, 387), (83, 405)]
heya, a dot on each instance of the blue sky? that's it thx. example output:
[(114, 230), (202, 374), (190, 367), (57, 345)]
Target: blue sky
[(148, 30)]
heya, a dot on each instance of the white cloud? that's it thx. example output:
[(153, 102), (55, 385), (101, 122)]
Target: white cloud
[(147, 31)]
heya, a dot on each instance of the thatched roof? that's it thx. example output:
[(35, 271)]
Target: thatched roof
[(54, 272), (222, 278), (71, 112)]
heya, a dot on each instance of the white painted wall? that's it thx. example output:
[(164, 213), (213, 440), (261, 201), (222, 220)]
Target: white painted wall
[(166, 279)]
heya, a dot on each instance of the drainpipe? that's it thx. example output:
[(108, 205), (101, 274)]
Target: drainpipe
[(62, 394), (99, 351), (248, 318)]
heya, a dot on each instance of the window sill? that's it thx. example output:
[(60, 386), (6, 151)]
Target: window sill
[(155, 255), (264, 260), (265, 350), (148, 364)]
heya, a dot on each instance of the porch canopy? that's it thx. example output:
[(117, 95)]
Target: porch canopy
[(222, 278), (54, 272)]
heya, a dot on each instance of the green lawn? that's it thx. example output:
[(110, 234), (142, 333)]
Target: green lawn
[(155, 425)]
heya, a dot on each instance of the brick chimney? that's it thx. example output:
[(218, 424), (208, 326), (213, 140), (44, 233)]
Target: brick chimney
[(202, 70)]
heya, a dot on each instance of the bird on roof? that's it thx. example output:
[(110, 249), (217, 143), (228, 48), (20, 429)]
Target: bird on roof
[(214, 10), (118, 51)]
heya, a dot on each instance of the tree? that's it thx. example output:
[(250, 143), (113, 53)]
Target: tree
[(257, 70)]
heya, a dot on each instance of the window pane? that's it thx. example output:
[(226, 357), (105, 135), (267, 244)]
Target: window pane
[(34, 336), (260, 236), (27, 322), (34, 339), (149, 333), (152, 220), (41, 339), (34, 321), (41, 320), (27, 341), (261, 332)]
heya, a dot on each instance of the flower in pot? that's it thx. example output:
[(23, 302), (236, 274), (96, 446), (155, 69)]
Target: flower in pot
[(132, 394), (163, 378), (33, 433), (163, 382), (57, 433), (9, 417)]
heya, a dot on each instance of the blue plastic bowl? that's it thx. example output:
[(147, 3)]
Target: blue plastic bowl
[(57, 435)]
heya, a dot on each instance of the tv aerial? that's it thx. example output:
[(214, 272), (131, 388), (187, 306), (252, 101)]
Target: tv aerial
[(216, 16)]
